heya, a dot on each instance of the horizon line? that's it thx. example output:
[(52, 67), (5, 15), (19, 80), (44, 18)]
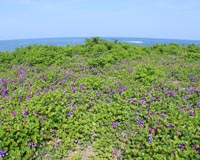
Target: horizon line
[(14, 39)]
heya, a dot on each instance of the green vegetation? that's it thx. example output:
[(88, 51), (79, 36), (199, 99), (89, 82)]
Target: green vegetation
[(101, 100)]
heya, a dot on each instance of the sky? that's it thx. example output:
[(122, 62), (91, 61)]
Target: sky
[(171, 19)]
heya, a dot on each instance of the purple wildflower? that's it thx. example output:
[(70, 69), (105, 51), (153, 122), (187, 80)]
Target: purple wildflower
[(20, 97), (191, 89), (140, 123), (196, 147), (183, 108), (159, 99), (98, 93), (13, 114), (169, 125), (21, 73), (198, 104), (114, 153), (31, 144), (45, 90), (4, 92), (43, 118), (25, 112), (44, 78), (192, 78), (153, 98), (107, 89), (165, 90), (172, 93), (181, 147), (73, 108), (191, 112), (70, 113), (28, 97), (153, 129), (74, 90), (107, 101), (3, 153), (51, 87), (121, 89), (143, 102), (82, 87), (114, 91), (53, 131), (37, 112), (56, 142), (150, 138), (114, 124), (164, 115), (63, 80), (130, 70)]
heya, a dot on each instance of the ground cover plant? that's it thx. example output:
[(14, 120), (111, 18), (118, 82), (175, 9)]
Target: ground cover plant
[(100, 100)]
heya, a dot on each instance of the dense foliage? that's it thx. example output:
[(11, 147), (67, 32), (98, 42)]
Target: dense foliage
[(101, 100)]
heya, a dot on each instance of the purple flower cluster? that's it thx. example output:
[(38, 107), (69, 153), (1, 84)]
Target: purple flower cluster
[(25, 112), (3, 153), (191, 90), (4, 92), (21, 73), (192, 78), (56, 142), (181, 147), (82, 87), (165, 90), (114, 124), (140, 123), (121, 89), (108, 90), (164, 115), (150, 138), (31, 144), (191, 112), (14, 114), (198, 104), (171, 93)]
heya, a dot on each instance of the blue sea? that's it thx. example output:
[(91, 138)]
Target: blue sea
[(11, 45)]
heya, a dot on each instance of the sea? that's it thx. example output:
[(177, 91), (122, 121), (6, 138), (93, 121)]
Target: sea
[(11, 45)]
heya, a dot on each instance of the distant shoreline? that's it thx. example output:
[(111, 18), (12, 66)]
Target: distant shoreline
[(11, 45)]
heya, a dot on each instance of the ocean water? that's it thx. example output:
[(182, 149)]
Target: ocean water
[(11, 45)]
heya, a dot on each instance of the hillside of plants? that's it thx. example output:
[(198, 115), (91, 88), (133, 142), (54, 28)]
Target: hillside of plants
[(100, 101)]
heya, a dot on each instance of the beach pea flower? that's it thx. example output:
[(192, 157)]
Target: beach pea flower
[(165, 90), (25, 112), (82, 87), (13, 114), (114, 153), (191, 112), (172, 93), (31, 144), (3, 153), (150, 138), (140, 123), (114, 124), (70, 113), (164, 115), (181, 147)]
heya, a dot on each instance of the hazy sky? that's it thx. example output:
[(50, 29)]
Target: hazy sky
[(179, 19)]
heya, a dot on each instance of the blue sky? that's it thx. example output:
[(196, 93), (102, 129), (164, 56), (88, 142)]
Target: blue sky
[(179, 19)]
